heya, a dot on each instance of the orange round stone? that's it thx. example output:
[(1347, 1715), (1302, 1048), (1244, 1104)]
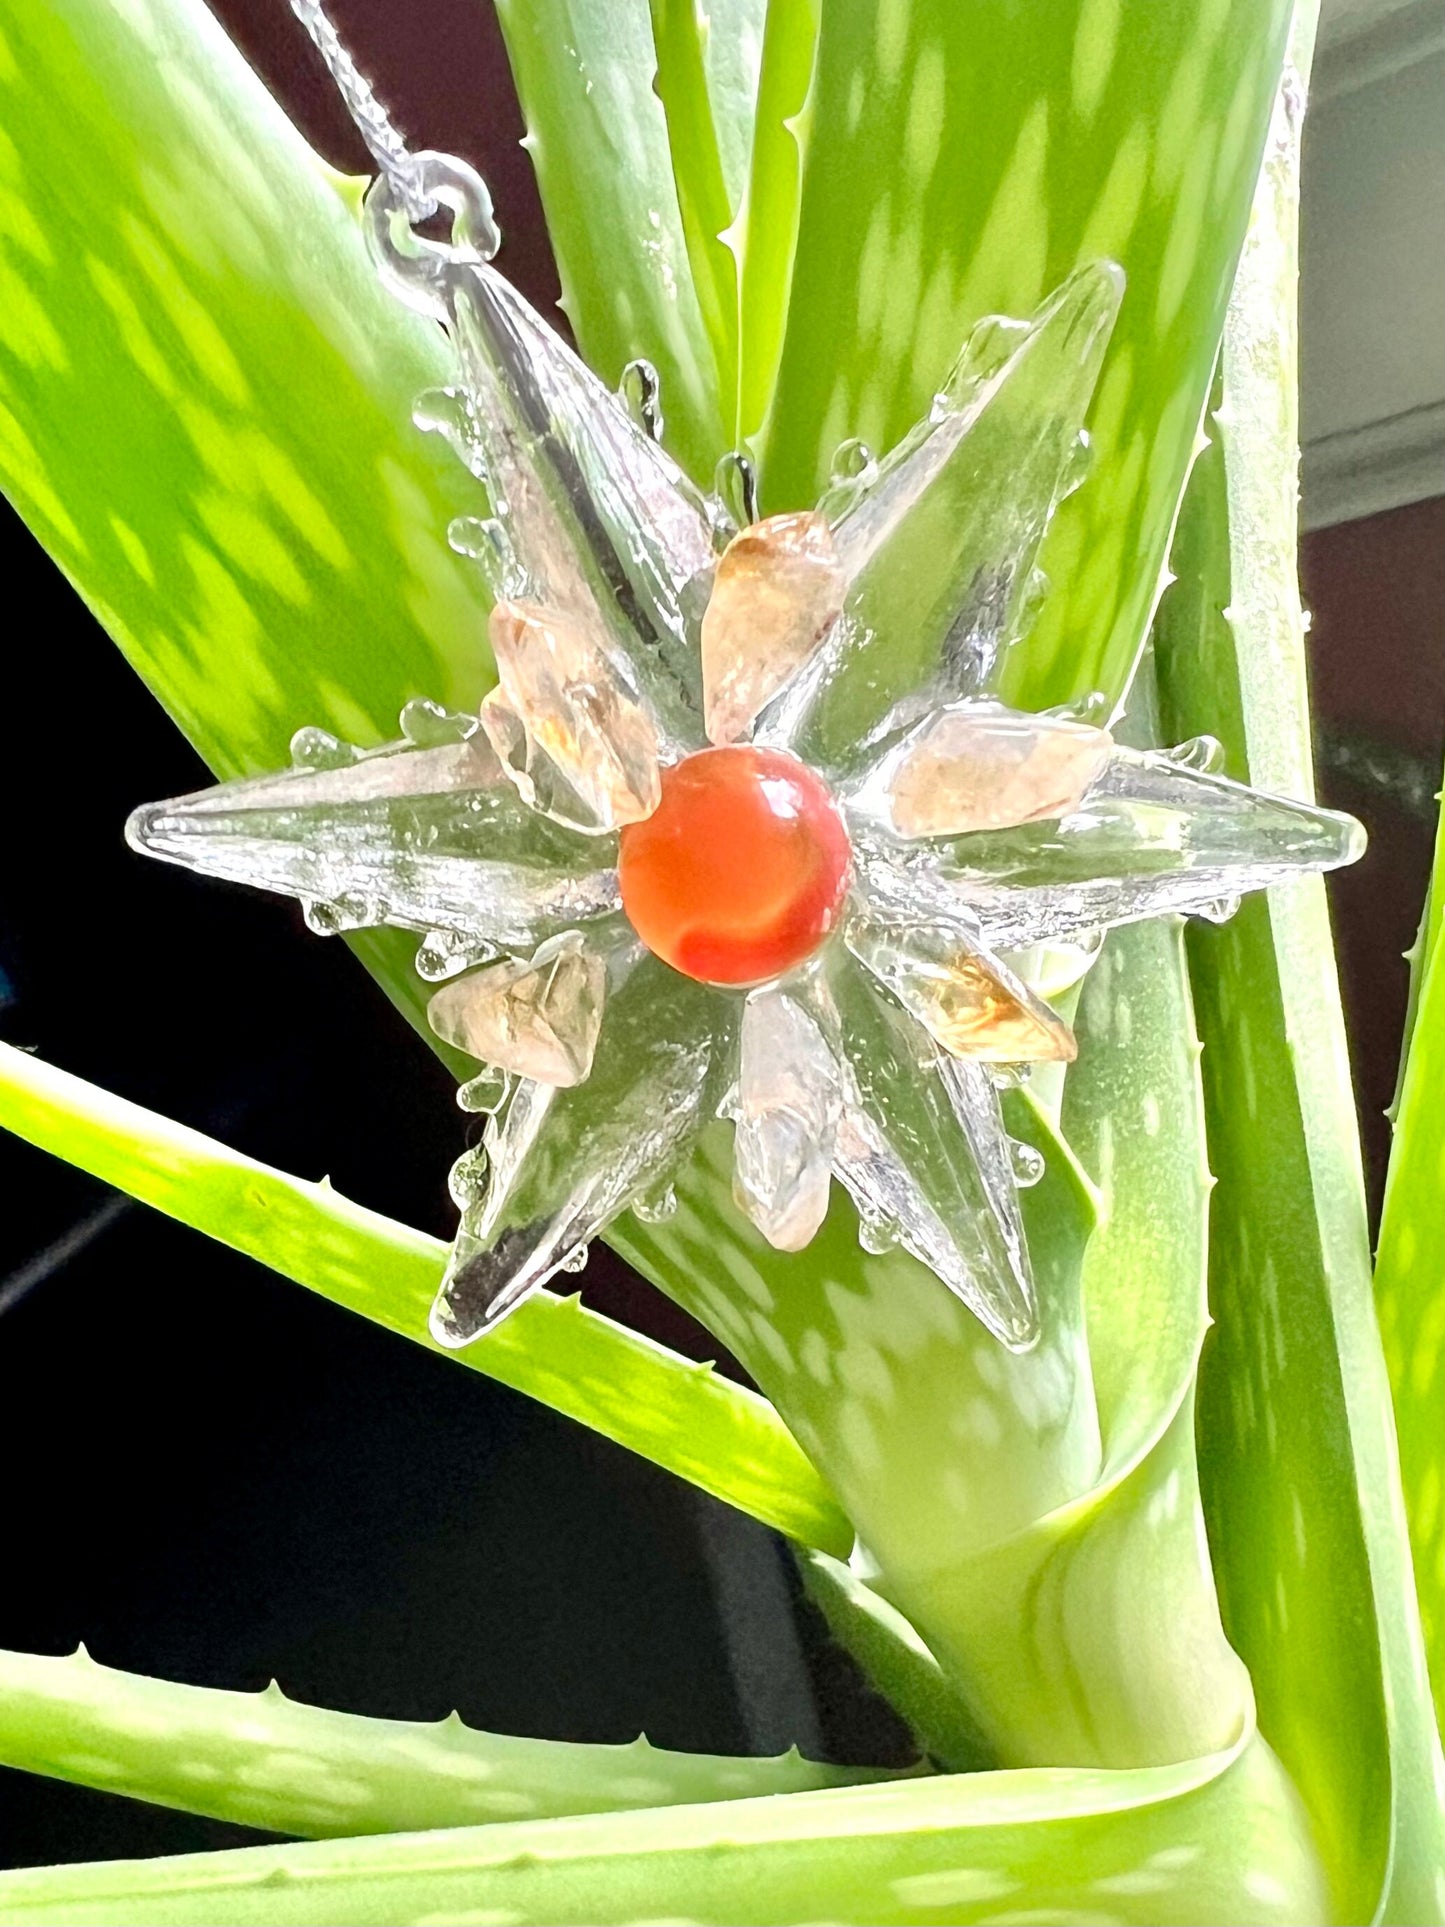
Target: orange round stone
[(740, 871)]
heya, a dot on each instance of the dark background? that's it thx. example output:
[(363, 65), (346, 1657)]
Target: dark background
[(209, 1475)]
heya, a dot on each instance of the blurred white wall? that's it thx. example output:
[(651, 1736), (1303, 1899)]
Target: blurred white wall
[(1372, 261)]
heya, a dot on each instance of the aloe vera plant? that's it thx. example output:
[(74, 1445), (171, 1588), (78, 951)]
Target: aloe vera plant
[(796, 210)]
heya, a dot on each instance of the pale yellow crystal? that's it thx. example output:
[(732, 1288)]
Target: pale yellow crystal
[(777, 591), (571, 731), (789, 1101), (970, 1002), (979, 766), (537, 1018)]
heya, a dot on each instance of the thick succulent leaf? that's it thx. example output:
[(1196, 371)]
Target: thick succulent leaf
[(707, 73), (1418, 957), (206, 397), (1109, 1600), (897, 1662), (740, 1319), (1297, 1451), (1132, 1108), (585, 76), (1218, 1839), (884, 1372), (710, 192), (1410, 1277), (1016, 1582), (267, 1761), (673, 1412), (1013, 156), (1115, 1586), (731, 34), (1421, 952), (766, 231)]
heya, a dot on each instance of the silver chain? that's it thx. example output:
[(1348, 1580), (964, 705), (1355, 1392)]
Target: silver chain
[(387, 148)]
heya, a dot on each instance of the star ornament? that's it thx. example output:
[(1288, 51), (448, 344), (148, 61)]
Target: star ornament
[(743, 831)]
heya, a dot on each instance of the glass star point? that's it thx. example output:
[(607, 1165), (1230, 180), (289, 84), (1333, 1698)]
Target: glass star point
[(744, 829)]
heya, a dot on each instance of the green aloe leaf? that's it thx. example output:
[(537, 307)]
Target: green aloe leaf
[(205, 397), (1300, 1479), (1107, 1584), (934, 1438), (706, 78), (1418, 956), (964, 160), (735, 82), (680, 1415), (1061, 1629), (682, 250), (267, 1761), (778, 1318), (1105, 1591), (1410, 1274), (1218, 1839), (897, 1662), (766, 229), (585, 75), (1186, 120)]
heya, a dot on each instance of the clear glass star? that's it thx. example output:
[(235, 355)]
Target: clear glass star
[(742, 831)]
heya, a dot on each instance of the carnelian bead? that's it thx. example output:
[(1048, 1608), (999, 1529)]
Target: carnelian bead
[(740, 871)]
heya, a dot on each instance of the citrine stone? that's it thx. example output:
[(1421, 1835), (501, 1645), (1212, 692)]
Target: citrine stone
[(741, 870), (972, 1003), (566, 722), (980, 766), (537, 1017), (789, 1101), (777, 592)]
